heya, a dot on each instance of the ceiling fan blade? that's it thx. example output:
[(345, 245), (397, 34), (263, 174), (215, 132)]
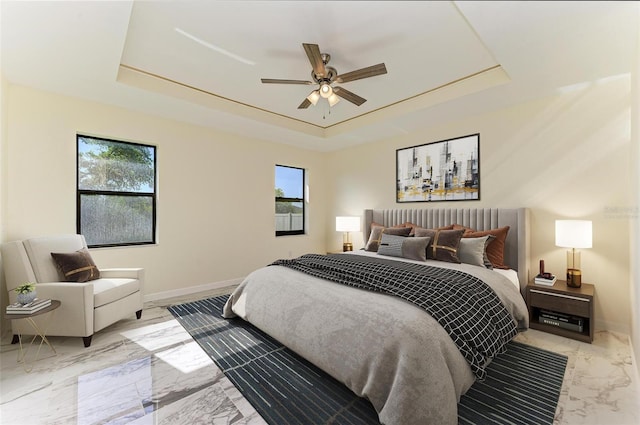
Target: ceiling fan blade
[(347, 95), (305, 104), (276, 81), (370, 71), (315, 57)]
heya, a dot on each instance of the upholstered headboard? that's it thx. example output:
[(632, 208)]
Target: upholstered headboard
[(517, 243)]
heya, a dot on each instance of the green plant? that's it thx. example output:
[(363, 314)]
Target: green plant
[(25, 288)]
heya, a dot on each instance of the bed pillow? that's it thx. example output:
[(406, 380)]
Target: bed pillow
[(405, 247), (443, 245), (376, 234), (474, 251), (411, 226), (465, 228), (414, 228), (76, 266), (495, 249)]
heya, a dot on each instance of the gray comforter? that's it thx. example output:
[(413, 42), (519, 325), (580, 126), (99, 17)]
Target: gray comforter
[(382, 347)]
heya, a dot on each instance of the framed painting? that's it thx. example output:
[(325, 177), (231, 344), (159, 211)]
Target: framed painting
[(448, 170)]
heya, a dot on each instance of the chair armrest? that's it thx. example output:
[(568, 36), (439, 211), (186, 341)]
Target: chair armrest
[(127, 273), (76, 311), (68, 292), (122, 273)]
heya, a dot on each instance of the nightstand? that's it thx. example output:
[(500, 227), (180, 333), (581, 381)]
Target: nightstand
[(562, 310)]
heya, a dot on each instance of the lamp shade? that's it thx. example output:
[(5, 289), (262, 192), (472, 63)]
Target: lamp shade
[(347, 224), (574, 233), (313, 97), (326, 90), (333, 99)]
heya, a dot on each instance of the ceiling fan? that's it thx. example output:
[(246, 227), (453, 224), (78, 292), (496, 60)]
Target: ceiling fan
[(325, 76)]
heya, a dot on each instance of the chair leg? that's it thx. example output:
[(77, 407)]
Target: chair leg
[(15, 339), (138, 314), (87, 340)]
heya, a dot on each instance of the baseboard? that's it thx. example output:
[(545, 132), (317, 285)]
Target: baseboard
[(605, 325), (191, 290)]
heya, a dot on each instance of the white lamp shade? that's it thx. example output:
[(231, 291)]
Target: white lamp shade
[(313, 97), (326, 90), (333, 99), (347, 224), (574, 233)]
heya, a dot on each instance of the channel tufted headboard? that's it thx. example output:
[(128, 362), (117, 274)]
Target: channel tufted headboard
[(516, 245)]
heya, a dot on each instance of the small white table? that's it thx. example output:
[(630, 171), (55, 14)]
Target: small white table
[(38, 333)]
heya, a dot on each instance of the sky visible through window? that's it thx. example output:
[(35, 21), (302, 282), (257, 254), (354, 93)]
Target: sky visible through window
[(290, 181)]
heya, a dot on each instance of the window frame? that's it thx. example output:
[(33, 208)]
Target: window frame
[(152, 195), (287, 199)]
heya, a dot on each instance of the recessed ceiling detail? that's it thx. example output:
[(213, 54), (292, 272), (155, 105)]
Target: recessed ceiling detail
[(425, 44)]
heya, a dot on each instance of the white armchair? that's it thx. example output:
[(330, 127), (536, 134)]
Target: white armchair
[(86, 307)]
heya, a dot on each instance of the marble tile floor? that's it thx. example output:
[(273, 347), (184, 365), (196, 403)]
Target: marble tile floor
[(150, 371)]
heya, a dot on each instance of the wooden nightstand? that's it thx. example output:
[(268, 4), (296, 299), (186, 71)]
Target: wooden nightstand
[(569, 304)]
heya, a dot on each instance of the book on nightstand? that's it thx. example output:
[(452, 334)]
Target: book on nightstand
[(539, 280), (561, 320)]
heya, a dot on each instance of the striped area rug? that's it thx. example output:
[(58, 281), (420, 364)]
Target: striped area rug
[(522, 386)]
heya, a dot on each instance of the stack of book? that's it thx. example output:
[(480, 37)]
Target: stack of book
[(539, 280), (29, 308), (561, 320)]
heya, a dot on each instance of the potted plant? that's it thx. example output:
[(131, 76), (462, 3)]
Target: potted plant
[(26, 293)]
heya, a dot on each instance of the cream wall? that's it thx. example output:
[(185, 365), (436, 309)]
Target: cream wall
[(563, 157), (634, 160), (215, 190), (3, 185)]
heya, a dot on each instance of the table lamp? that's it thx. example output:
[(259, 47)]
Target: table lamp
[(346, 225), (573, 234)]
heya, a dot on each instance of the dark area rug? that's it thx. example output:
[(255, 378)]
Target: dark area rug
[(522, 386)]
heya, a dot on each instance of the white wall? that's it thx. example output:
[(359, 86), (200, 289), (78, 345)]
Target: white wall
[(215, 197), (4, 299), (563, 157), (634, 160)]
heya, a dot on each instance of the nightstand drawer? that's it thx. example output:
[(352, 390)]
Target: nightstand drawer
[(567, 304)]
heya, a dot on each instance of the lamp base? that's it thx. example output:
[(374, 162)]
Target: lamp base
[(347, 246), (574, 278)]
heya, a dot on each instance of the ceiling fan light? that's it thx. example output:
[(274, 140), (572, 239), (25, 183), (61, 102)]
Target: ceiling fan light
[(333, 99), (313, 97), (326, 90)]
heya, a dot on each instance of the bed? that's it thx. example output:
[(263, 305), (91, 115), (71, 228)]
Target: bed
[(410, 364)]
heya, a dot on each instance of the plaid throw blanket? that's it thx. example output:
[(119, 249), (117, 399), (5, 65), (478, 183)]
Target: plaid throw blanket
[(466, 307)]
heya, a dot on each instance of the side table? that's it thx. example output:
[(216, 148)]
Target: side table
[(38, 333), (565, 300)]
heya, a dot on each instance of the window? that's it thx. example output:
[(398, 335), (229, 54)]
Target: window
[(289, 200), (116, 196)]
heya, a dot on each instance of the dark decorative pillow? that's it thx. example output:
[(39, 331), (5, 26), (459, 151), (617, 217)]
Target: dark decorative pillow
[(76, 266), (411, 226), (443, 245), (376, 234), (495, 249), (414, 228), (465, 228), (402, 246)]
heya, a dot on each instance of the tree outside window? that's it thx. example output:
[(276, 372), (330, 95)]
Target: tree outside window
[(116, 199)]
